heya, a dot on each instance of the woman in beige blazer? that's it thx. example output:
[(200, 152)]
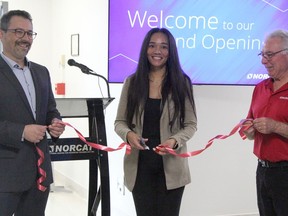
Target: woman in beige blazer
[(157, 108)]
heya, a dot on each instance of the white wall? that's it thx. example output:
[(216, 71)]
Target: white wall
[(223, 176)]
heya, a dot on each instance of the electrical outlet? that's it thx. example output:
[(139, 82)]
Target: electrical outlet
[(121, 186), (63, 61)]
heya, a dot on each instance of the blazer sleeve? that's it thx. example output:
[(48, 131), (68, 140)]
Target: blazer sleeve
[(120, 123)]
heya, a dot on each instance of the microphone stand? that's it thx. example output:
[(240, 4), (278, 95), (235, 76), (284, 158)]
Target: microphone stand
[(88, 71), (95, 134)]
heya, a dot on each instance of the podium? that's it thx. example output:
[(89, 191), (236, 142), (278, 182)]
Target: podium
[(75, 149)]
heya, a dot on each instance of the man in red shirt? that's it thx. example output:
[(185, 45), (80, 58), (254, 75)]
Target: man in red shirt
[(269, 118)]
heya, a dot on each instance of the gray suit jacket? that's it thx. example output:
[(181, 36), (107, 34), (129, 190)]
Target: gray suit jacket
[(176, 169), (18, 160)]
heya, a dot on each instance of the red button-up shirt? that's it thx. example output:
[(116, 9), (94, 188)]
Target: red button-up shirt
[(266, 103)]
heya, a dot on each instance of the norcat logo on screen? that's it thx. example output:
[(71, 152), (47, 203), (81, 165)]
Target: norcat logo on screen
[(257, 76)]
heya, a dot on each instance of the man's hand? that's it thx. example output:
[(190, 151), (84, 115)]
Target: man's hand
[(265, 125), (56, 128), (250, 130), (34, 133)]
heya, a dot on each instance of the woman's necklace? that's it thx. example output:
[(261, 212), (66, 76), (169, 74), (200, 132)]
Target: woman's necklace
[(157, 80), (155, 87)]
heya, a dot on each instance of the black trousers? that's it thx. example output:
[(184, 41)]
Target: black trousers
[(150, 194), (272, 190), (28, 203)]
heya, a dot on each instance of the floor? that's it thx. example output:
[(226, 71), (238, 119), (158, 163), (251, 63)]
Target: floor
[(64, 202)]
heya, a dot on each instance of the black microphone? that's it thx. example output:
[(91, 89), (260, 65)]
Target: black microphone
[(87, 70), (83, 68)]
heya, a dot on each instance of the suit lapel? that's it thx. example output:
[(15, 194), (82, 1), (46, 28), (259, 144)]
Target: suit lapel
[(37, 89), (8, 73)]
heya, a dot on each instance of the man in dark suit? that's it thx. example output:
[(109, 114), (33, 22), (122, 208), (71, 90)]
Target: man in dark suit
[(27, 111)]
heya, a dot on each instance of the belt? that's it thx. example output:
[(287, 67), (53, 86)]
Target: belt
[(269, 164)]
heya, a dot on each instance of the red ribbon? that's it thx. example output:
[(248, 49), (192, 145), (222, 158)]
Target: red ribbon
[(240, 127), (41, 171), (99, 146)]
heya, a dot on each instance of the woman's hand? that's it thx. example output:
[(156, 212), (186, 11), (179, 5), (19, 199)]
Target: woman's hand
[(160, 149), (135, 141)]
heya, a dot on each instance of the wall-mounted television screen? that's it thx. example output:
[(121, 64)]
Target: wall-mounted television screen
[(218, 41)]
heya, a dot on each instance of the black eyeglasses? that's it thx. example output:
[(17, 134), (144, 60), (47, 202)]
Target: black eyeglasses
[(20, 33), (269, 55)]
